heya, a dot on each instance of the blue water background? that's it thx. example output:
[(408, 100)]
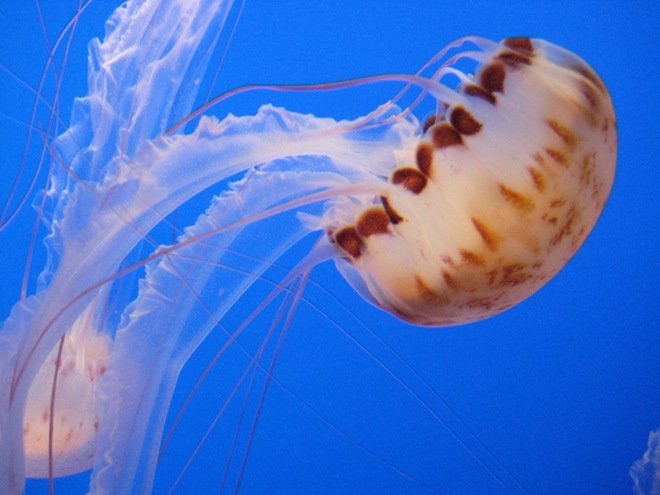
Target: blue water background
[(564, 388)]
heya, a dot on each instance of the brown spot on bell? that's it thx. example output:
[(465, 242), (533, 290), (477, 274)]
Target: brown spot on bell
[(393, 215), (479, 92), (444, 135), (348, 239), (492, 77), (464, 122), (424, 158), (372, 221), (410, 178), (519, 43)]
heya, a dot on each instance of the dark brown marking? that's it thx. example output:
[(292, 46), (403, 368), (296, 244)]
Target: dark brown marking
[(471, 258), (429, 122), (348, 239), (587, 169), (425, 158), (514, 274), (557, 202), (514, 59), (517, 200), (537, 178), (444, 135), (551, 219), (567, 136), (591, 77), (539, 159), (492, 276), (464, 122), (391, 212), (566, 228), (482, 302), (449, 280), (428, 295), (410, 178), (558, 156), (479, 92), (489, 237), (492, 77), (372, 221), (519, 43), (590, 95), (606, 125)]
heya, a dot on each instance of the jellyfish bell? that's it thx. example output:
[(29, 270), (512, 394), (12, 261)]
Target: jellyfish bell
[(78, 364), (496, 196)]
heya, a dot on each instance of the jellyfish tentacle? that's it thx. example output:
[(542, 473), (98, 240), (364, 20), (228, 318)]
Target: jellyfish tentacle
[(286, 311), (82, 269), (7, 214)]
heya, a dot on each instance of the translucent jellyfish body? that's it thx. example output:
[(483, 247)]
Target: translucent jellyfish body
[(496, 197), (439, 224)]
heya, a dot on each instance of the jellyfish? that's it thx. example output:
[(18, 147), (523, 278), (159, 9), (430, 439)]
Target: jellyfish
[(645, 472), (441, 222)]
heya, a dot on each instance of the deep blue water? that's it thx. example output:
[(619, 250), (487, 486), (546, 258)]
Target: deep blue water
[(563, 389)]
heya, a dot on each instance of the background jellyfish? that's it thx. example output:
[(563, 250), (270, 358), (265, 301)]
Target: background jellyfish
[(509, 377), (645, 472)]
